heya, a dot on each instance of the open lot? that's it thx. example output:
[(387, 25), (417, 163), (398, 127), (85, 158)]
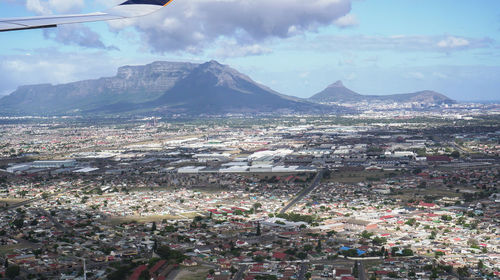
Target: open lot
[(354, 177), (192, 273), (142, 219)]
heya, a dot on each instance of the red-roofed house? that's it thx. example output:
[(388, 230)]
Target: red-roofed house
[(279, 255), (157, 266), (137, 272), (427, 205)]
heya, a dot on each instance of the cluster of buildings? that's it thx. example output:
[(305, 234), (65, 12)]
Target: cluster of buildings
[(289, 198)]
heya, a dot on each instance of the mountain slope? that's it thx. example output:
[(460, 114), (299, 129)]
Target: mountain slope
[(131, 84), (160, 88), (338, 93), (212, 88)]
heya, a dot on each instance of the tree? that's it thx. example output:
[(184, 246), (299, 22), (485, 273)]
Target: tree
[(411, 221), (407, 252), (308, 247), (455, 154), (318, 247), (433, 235), (258, 258), (19, 223), (367, 235), (302, 255), (258, 229), (394, 250), (446, 218), (144, 275), (256, 206), (173, 256), (379, 240), (155, 246), (153, 227), (480, 265), (266, 277), (438, 254), (393, 274), (463, 271), (12, 271), (355, 270)]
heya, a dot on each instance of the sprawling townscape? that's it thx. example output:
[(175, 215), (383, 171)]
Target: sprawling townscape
[(299, 197)]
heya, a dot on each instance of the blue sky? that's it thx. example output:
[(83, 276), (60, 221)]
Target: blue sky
[(295, 47)]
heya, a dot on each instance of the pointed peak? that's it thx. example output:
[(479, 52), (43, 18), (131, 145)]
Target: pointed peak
[(337, 84), (212, 63)]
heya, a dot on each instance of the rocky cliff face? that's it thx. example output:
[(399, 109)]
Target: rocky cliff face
[(160, 87), (131, 84)]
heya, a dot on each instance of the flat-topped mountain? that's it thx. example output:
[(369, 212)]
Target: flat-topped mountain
[(338, 93), (163, 88), (131, 84)]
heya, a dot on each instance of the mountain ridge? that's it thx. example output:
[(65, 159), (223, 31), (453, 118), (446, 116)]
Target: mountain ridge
[(161, 88), (338, 93)]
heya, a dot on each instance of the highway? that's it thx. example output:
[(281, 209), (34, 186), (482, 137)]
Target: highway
[(361, 271), (241, 272), (304, 192)]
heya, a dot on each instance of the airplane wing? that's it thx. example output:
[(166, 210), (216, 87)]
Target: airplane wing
[(128, 9)]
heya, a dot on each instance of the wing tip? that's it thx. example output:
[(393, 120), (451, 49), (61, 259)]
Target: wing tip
[(147, 2), (29, 27)]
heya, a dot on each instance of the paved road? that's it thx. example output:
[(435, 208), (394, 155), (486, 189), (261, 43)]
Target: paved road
[(460, 149), (173, 274), (361, 271), (241, 272), (305, 192), (302, 271), (19, 204)]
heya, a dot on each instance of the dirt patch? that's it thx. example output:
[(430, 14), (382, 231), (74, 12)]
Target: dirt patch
[(142, 219), (352, 177), (192, 273), (10, 201)]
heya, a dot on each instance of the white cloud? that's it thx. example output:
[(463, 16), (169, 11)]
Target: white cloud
[(416, 75), (351, 77), (49, 66), (194, 25), (453, 42), (44, 7), (440, 75), (349, 20), (396, 43), (37, 7), (304, 74), (77, 34), (233, 49)]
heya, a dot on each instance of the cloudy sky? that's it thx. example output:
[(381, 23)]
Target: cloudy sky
[(295, 47)]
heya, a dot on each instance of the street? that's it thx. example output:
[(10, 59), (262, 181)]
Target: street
[(305, 192)]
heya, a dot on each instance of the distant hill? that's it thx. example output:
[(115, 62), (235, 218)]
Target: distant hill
[(160, 88), (338, 93)]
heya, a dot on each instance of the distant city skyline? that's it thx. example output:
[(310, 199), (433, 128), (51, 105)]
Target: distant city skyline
[(297, 48)]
